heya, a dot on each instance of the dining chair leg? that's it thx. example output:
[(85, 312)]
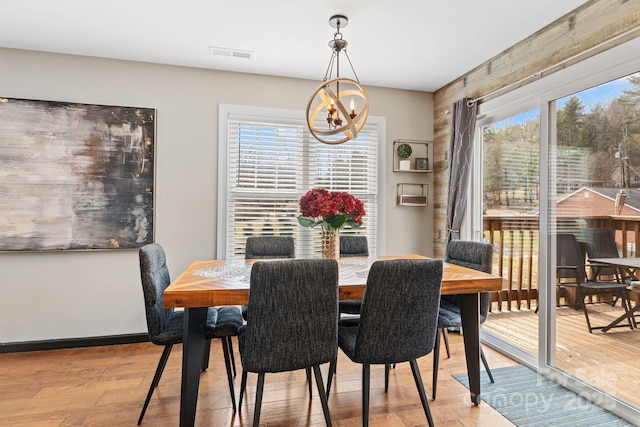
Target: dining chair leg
[(243, 386), (156, 378), (227, 362), (436, 363), (205, 355), (332, 370), (423, 397), (366, 376), (233, 357), (323, 396), (310, 382), (486, 365), (386, 377), (258, 405), (335, 367), (445, 336)]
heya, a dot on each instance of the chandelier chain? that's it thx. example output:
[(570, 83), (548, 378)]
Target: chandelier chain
[(329, 71), (351, 65)]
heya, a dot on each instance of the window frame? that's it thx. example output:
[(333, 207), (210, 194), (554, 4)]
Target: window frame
[(227, 111)]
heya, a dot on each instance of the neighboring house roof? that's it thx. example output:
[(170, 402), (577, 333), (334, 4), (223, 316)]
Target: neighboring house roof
[(598, 201)]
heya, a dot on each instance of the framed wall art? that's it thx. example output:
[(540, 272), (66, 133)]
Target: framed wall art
[(75, 176)]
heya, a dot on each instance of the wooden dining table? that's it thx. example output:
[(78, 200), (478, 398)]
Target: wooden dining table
[(209, 283)]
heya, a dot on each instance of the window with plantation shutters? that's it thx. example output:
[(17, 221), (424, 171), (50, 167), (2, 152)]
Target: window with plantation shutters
[(268, 159)]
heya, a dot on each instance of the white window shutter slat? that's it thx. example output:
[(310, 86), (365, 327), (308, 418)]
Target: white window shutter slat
[(272, 163)]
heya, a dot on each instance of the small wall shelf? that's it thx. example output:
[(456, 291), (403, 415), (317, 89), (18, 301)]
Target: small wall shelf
[(408, 194), (420, 160)]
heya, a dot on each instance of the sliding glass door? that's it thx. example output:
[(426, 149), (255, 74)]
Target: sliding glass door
[(510, 211), (595, 175), (560, 159)]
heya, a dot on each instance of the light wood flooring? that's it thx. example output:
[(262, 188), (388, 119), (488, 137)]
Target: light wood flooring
[(106, 386)]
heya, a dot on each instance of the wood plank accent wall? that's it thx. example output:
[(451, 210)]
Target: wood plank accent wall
[(578, 35)]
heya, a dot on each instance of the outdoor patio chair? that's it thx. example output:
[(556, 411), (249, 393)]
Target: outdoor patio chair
[(571, 273), (601, 243)]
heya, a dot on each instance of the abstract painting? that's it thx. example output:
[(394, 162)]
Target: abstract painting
[(75, 176)]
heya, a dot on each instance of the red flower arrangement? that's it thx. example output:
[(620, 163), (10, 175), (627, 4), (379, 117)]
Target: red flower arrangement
[(333, 209)]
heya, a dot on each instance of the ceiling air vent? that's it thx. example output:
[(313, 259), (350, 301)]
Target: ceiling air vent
[(234, 53)]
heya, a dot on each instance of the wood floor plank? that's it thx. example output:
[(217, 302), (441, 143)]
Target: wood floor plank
[(106, 386)]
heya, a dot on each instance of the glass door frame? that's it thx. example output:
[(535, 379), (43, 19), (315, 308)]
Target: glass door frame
[(542, 93)]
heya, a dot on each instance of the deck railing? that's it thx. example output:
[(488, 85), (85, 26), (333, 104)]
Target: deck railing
[(516, 244)]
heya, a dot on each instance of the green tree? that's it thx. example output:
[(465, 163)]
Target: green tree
[(570, 121), (629, 141), (632, 96), (601, 133), (492, 146)]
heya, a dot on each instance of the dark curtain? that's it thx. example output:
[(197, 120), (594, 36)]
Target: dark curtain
[(460, 151)]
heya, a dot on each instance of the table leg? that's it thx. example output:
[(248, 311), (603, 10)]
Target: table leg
[(470, 314), (192, 351)]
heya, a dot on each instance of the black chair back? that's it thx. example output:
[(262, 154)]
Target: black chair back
[(475, 255), (155, 279), (293, 315), (569, 258), (353, 246), (399, 311), (258, 247), (601, 243), (470, 254)]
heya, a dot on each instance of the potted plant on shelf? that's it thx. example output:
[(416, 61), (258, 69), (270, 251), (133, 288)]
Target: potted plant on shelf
[(404, 152)]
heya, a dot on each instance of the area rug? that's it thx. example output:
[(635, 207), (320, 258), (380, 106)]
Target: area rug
[(530, 400)]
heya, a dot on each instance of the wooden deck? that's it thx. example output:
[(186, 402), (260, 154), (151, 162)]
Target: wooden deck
[(608, 361)]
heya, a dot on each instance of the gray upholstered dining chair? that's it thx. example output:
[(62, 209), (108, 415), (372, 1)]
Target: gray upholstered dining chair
[(352, 246), (470, 254), (268, 247), (291, 322), (165, 325), (260, 247), (398, 321)]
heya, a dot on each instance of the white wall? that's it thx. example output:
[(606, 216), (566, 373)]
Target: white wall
[(85, 294)]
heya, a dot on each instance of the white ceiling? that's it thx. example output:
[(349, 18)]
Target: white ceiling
[(406, 44)]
